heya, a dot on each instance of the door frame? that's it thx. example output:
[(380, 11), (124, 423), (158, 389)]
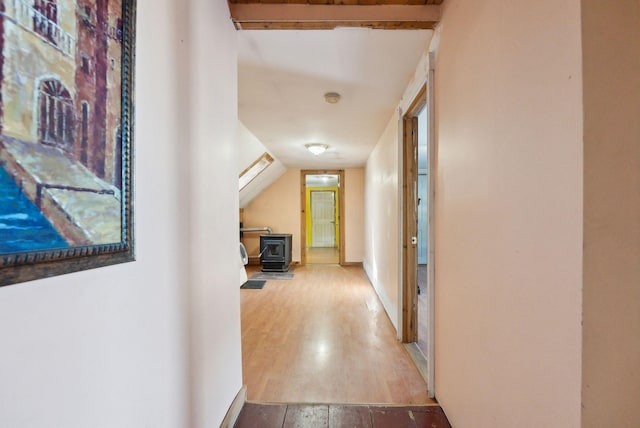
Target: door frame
[(410, 217), (424, 98), (303, 211), (431, 236)]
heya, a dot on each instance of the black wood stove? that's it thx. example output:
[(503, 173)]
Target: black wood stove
[(275, 252)]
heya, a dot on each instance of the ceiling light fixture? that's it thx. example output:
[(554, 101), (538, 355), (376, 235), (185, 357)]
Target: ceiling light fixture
[(316, 148), (332, 97)]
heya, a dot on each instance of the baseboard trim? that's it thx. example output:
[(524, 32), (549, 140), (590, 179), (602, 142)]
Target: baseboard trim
[(359, 264), (256, 262), (382, 295), (418, 359), (234, 410)]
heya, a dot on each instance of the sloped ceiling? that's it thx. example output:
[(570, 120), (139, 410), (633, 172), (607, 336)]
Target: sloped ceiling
[(250, 149)]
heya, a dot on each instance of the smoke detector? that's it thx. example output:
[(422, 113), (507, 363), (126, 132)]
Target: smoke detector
[(332, 97)]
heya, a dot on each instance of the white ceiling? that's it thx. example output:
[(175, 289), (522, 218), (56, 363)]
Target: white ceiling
[(283, 76)]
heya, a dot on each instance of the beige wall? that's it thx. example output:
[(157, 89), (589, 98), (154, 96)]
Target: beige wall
[(354, 212), (611, 350), (122, 346), (508, 213), (278, 207)]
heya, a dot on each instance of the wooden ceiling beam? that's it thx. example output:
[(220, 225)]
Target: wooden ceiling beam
[(375, 25), (325, 17)]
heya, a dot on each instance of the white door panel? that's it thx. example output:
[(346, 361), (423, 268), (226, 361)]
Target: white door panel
[(323, 218)]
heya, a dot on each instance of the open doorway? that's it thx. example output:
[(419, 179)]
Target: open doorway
[(423, 229), (322, 207), (418, 237)]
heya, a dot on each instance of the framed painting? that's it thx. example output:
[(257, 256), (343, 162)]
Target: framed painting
[(66, 127)]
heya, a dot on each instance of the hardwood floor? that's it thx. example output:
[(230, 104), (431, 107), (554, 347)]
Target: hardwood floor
[(322, 255), (323, 337), (340, 416)]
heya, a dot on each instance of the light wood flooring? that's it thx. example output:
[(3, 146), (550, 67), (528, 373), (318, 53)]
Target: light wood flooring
[(322, 255), (324, 337)]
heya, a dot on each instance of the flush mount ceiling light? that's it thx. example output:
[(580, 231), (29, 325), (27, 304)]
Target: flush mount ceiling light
[(316, 148), (332, 97)]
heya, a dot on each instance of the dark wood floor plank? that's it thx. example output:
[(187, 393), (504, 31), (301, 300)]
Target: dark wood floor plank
[(254, 415), (307, 415), (392, 417), (349, 416), (261, 415), (430, 417)]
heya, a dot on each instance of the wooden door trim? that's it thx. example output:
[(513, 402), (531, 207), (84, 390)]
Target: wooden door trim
[(418, 103), (409, 217), (303, 213), (409, 231)]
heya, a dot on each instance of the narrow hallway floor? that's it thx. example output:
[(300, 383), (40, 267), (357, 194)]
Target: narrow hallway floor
[(324, 337)]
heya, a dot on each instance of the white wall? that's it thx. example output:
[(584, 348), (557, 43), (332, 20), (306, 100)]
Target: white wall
[(382, 240), (382, 205), (508, 213), (123, 346), (216, 361), (611, 350)]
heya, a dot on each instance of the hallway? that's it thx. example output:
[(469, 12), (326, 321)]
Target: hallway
[(323, 337), (323, 255)]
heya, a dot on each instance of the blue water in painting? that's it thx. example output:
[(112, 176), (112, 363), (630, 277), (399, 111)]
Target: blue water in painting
[(22, 225)]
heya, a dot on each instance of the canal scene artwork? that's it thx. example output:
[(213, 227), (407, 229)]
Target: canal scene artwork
[(64, 130)]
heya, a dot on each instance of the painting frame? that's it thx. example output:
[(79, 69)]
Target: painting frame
[(28, 265)]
